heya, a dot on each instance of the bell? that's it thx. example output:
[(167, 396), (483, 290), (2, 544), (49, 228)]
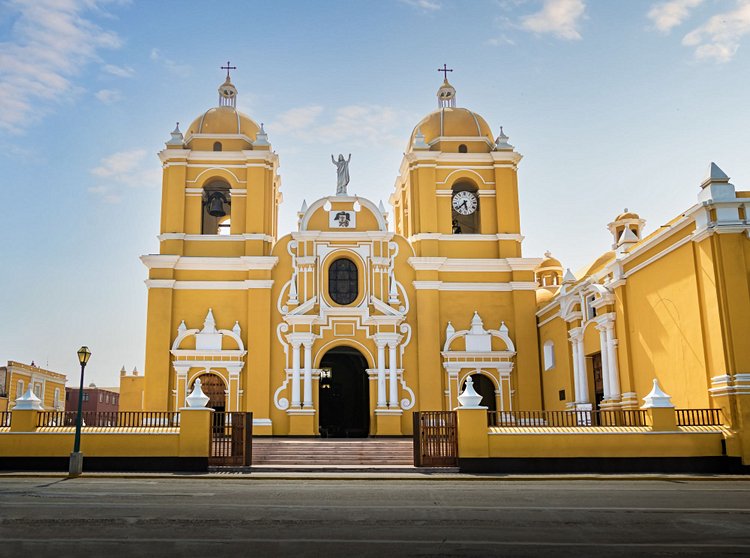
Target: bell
[(216, 205)]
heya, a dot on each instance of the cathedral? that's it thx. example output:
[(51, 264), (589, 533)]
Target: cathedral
[(365, 314)]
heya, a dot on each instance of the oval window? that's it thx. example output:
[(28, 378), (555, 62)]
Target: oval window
[(343, 285)]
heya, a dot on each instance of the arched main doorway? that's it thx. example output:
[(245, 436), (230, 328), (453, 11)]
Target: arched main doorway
[(344, 394)]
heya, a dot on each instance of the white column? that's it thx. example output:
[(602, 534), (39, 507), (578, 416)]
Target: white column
[(605, 359), (614, 372), (308, 400), (583, 376), (382, 403), (576, 373), (295, 374), (393, 397)]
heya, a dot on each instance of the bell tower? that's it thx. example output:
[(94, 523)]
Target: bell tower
[(219, 216), (458, 181)]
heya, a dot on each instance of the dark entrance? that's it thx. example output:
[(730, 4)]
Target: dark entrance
[(596, 365), (344, 394)]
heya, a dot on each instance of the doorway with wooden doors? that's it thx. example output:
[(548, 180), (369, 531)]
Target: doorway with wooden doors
[(344, 395)]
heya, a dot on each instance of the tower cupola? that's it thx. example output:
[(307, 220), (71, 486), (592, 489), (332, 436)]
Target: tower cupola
[(227, 90)]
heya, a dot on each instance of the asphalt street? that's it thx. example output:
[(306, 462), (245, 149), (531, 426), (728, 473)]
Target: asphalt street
[(245, 516)]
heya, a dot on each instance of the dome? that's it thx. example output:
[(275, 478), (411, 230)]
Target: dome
[(627, 215), (223, 120), (453, 122), (549, 261), (543, 296)]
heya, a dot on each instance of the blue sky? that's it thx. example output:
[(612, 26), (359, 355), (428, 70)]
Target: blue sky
[(612, 104)]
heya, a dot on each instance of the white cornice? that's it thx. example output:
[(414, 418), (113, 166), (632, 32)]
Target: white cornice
[(474, 287), (209, 285), (242, 263), (466, 237), (216, 237), (474, 264)]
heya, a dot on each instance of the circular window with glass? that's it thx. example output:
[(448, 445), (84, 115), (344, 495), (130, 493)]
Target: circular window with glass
[(343, 281)]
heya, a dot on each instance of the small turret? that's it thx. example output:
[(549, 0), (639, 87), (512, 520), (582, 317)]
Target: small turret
[(626, 230)]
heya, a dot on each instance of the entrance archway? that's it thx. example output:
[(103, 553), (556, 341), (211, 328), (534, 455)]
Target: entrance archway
[(344, 394)]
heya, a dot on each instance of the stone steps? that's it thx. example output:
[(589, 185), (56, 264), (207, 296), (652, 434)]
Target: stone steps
[(316, 452)]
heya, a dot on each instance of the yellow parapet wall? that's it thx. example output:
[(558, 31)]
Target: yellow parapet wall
[(188, 440)]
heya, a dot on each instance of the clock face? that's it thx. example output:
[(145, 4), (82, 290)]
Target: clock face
[(464, 203)]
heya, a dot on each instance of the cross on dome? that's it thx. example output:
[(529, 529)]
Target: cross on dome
[(445, 71), (227, 68)]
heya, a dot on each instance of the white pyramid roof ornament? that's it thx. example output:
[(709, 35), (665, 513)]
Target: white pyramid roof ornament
[(501, 142), (569, 277), (123, 372), (28, 402), (261, 138), (182, 328), (209, 324), (236, 329), (477, 325), (657, 398), (419, 142), (628, 236), (177, 138), (381, 208), (303, 209), (715, 175), (449, 330)]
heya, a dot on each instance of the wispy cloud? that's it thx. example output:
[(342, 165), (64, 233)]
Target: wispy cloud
[(176, 68), (426, 5), (719, 38), (560, 18), (667, 15), (57, 37), (121, 171), (108, 96), (356, 124), (119, 71)]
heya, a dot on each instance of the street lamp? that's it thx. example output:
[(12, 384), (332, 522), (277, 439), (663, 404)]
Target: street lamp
[(75, 467)]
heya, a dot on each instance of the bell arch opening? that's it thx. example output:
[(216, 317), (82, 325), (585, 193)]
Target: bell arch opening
[(343, 394), (217, 207)]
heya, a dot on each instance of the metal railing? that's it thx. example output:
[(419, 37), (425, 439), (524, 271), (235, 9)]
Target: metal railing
[(634, 417), (699, 417), (114, 419)]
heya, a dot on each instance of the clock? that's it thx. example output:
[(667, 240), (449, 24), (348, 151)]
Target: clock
[(465, 202)]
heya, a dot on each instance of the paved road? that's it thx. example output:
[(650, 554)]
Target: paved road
[(101, 517)]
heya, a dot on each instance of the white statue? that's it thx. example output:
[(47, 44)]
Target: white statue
[(342, 173)]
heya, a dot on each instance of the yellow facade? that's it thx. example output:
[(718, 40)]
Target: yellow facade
[(47, 385), (361, 316)]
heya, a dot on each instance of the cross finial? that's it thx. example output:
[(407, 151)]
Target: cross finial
[(228, 67), (445, 71)]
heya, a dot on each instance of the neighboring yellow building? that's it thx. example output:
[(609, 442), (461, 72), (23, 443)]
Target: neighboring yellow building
[(16, 378), (131, 390), (349, 324)]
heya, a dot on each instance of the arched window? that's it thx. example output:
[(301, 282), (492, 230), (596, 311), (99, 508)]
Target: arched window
[(462, 148), (465, 208), (549, 355), (217, 146), (343, 286)]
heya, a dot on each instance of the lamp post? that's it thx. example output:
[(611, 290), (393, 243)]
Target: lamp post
[(75, 467)]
